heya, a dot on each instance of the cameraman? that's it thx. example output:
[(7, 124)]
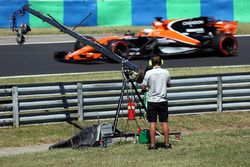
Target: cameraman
[(157, 80)]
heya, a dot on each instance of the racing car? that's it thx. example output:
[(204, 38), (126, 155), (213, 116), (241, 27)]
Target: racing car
[(165, 38)]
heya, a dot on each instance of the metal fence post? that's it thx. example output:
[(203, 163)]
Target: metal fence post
[(219, 94), (80, 101), (15, 104)]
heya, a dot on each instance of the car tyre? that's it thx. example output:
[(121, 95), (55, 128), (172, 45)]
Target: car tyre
[(225, 45), (120, 48)]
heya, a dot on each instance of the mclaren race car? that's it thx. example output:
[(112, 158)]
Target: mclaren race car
[(167, 37)]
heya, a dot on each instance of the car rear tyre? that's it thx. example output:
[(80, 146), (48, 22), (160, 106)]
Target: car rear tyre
[(120, 48), (225, 45)]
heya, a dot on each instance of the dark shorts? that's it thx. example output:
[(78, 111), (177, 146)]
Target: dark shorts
[(155, 109)]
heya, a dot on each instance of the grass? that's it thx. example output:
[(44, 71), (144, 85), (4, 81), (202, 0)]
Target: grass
[(224, 148), (50, 78), (97, 76), (243, 28), (29, 135), (81, 30), (218, 139)]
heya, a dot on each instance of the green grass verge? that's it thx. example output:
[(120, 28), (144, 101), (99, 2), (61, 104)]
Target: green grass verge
[(220, 139), (81, 30), (243, 28), (97, 76), (228, 148), (51, 78), (29, 135)]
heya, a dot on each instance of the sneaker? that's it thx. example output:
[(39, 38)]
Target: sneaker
[(169, 146), (152, 148)]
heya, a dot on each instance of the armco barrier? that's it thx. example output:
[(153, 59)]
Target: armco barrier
[(124, 12), (43, 103)]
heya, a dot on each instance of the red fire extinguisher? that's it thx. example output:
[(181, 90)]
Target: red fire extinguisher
[(131, 109)]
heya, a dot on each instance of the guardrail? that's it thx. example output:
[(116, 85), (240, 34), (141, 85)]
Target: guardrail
[(54, 102)]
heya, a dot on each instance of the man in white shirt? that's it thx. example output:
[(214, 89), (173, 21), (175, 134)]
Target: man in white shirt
[(157, 80)]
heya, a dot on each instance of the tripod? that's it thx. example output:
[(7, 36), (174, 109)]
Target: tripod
[(125, 81)]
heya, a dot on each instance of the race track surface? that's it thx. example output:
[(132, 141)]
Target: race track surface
[(31, 59)]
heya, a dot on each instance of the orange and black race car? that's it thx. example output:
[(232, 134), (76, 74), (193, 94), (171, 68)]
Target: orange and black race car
[(167, 37)]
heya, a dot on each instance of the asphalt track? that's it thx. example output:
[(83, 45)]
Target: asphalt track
[(32, 59)]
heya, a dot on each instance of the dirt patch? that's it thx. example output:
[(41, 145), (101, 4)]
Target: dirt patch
[(21, 150)]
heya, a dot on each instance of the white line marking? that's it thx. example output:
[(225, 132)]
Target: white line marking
[(38, 43), (57, 74), (108, 72), (247, 35)]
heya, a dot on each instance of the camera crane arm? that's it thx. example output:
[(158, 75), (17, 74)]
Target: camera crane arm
[(134, 71)]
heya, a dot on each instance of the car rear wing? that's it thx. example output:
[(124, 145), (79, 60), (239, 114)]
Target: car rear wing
[(226, 27), (196, 25)]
